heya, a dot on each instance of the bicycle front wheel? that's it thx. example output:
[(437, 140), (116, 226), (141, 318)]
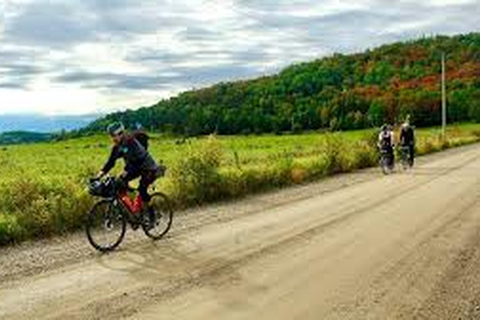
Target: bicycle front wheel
[(384, 164), (106, 226), (159, 218)]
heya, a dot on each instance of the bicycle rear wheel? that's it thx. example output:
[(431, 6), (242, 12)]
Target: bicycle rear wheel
[(162, 217), (106, 226), (385, 164)]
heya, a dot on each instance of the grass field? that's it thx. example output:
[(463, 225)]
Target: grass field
[(42, 186)]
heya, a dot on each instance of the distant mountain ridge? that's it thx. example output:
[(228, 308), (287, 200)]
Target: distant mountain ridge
[(17, 137), (339, 92), (42, 123)]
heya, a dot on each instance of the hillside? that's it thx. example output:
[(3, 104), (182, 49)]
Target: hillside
[(337, 92), (17, 137)]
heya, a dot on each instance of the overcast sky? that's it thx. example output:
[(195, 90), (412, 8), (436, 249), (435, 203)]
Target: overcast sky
[(88, 56)]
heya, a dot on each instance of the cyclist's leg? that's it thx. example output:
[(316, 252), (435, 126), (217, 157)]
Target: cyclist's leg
[(131, 175), (147, 178), (411, 150), (392, 156)]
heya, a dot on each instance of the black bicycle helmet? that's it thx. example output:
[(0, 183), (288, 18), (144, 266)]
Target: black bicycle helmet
[(115, 128)]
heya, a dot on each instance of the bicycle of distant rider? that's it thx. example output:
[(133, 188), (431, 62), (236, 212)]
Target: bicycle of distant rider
[(386, 161), (405, 159)]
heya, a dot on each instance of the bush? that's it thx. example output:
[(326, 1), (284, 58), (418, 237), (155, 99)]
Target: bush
[(476, 133), (43, 207), (284, 168), (370, 139), (426, 147), (258, 178), (195, 177), (10, 230), (364, 155), (444, 144), (317, 168), (298, 175), (335, 150)]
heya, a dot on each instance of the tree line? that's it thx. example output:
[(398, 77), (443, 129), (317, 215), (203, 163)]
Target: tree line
[(339, 92)]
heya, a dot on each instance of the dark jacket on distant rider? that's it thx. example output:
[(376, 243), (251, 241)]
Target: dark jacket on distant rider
[(407, 137), (407, 140)]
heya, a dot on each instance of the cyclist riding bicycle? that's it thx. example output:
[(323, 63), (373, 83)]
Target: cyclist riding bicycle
[(138, 162), (386, 142), (407, 140)]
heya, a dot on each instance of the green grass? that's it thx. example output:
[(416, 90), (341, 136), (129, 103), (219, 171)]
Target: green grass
[(43, 185)]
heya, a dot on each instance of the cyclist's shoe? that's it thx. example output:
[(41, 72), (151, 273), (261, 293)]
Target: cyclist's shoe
[(150, 218)]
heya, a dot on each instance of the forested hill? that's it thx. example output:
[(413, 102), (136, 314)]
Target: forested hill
[(337, 92), (17, 137)]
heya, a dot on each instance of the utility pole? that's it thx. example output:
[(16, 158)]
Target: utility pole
[(444, 102)]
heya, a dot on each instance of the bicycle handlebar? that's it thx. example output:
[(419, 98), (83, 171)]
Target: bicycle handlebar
[(115, 179)]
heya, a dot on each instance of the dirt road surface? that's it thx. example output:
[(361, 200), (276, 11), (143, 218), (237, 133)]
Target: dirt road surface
[(356, 246)]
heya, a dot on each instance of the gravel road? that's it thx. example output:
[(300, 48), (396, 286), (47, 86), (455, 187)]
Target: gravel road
[(354, 246)]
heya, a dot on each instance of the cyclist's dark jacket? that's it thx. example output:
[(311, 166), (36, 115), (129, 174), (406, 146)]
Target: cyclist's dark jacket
[(407, 137), (137, 158)]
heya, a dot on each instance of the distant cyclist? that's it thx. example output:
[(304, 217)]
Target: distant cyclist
[(138, 161), (407, 140), (386, 142)]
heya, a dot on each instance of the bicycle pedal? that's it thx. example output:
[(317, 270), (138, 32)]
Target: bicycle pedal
[(135, 226)]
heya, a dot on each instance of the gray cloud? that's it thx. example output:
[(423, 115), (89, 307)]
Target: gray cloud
[(211, 74), (246, 56), (14, 54), (167, 45), (115, 81), (256, 54), (199, 34), (125, 18), (51, 24), (355, 29), (157, 56), (273, 6), (12, 85), (184, 77), (60, 24), (19, 70)]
